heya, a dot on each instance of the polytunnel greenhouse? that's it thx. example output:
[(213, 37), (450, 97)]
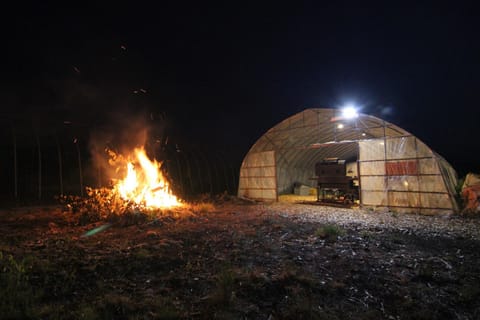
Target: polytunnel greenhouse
[(393, 168)]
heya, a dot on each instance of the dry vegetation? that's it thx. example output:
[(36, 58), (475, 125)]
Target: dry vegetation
[(233, 260)]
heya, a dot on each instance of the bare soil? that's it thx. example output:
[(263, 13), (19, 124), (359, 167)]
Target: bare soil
[(240, 261)]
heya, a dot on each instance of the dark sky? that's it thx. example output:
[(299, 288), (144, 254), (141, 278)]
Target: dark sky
[(223, 75)]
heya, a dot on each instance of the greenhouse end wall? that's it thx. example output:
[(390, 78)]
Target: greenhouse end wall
[(402, 174), (258, 179)]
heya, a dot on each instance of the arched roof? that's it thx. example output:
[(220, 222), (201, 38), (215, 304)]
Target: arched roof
[(302, 139)]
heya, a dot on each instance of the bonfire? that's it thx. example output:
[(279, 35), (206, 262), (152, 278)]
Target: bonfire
[(139, 186), (144, 183)]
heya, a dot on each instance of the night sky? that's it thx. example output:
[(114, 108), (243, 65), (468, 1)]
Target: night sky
[(221, 76)]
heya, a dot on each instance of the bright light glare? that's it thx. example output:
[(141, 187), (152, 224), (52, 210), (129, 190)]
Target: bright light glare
[(349, 112)]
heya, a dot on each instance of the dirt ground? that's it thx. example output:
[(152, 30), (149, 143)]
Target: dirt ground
[(240, 261)]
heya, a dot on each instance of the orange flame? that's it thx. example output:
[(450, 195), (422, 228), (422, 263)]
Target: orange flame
[(144, 183)]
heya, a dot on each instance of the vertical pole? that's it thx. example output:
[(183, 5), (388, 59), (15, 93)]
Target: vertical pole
[(189, 171), (385, 163), (179, 171), (359, 175), (234, 180), (225, 176), (200, 180), (209, 173), (234, 170), (60, 170), (276, 175), (75, 141), (217, 176), (15, 172), (419, 195), (39, 165)]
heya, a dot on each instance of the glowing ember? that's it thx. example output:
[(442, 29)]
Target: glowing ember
[(144, 183)]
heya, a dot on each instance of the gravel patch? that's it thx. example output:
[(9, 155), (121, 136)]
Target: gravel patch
[(449, 226)]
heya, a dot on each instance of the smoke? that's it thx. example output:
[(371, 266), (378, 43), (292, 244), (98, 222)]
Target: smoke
[(124, 131)]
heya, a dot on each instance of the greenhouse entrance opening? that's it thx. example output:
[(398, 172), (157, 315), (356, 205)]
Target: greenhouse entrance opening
[(325, 174)]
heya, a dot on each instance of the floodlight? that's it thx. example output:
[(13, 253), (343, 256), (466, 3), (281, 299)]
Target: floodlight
[(349, 112)]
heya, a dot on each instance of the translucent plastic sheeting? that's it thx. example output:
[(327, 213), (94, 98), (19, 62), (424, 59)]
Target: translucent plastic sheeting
[(451, 180), (371, 150), (372, 168), (258, 176), (403, 173), (403, 199), (401, 148)]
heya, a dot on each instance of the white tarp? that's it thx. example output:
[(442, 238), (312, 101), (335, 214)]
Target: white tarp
[(258, 176)]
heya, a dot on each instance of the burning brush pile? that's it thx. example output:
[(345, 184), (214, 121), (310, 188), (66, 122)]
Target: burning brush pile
[(140, 189)]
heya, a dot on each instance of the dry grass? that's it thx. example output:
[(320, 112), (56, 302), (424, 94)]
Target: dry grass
[(293, 198), (202, 207)]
